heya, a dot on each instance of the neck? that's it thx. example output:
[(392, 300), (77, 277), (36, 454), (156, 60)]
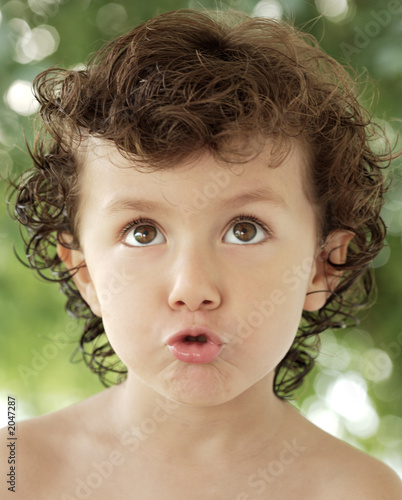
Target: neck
[(148, 419)]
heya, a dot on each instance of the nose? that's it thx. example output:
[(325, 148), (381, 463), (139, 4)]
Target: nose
[(194, 282)]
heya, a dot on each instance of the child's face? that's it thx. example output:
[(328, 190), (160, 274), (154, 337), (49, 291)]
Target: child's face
[(200, 266)]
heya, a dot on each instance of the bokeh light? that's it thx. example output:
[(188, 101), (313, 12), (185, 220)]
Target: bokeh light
[(268, 8), (20, 98), (111, 18), (44, 7), (32, 44), (335, 11), (319, 414), (390, 431), (347, 396), (333, 354), (376, 365), (383, 257)]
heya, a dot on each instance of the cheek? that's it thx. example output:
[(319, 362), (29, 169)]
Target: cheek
[(127, 300), (131, 305), (126, 323), (270, 311), (120, 285), (283, 286)]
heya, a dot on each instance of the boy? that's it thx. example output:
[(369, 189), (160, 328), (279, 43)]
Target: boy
[(208, 183)]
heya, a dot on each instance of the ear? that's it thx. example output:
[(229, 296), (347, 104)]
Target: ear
[(325, 278), (74, 260)]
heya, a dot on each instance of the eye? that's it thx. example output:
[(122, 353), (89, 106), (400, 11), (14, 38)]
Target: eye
[(246, 230), (142, 233)]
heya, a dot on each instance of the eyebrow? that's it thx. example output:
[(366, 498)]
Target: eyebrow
[(258, 195), (145, 205)]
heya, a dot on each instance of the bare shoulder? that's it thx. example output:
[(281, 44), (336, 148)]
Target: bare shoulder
[(372, 479), (361, 477), (345, 472), (358, 476), (48, 446), (20, 459)]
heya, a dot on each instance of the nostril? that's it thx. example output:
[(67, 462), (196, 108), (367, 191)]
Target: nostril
[(193, 303)]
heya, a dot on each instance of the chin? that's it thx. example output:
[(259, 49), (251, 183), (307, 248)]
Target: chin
[(200, 385)]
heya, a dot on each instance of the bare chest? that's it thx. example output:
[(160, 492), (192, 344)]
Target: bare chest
[(116, 475)]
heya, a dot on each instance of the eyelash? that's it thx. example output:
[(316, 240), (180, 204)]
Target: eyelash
[(134, 223), (239, 218), (255, 220)]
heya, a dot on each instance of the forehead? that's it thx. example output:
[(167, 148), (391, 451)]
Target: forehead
[(109, 180)]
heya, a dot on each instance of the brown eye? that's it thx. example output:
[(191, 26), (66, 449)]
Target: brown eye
[(145, 234), (142, 234), (244, 231)]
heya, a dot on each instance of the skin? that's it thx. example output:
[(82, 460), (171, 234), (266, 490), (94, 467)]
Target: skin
[(193, 276), (176, 430)]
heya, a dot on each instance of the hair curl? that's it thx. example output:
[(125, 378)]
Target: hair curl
[(186, 82)]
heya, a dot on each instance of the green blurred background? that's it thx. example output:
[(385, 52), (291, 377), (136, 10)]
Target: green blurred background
[(355, 391)]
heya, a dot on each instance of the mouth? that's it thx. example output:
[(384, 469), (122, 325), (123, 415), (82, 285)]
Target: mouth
[(198, 338), (195, 344)]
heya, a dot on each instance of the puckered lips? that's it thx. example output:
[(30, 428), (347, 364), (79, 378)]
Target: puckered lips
[(195, 344)]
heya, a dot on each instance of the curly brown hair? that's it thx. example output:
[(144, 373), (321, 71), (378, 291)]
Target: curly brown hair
[(188, 81)]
